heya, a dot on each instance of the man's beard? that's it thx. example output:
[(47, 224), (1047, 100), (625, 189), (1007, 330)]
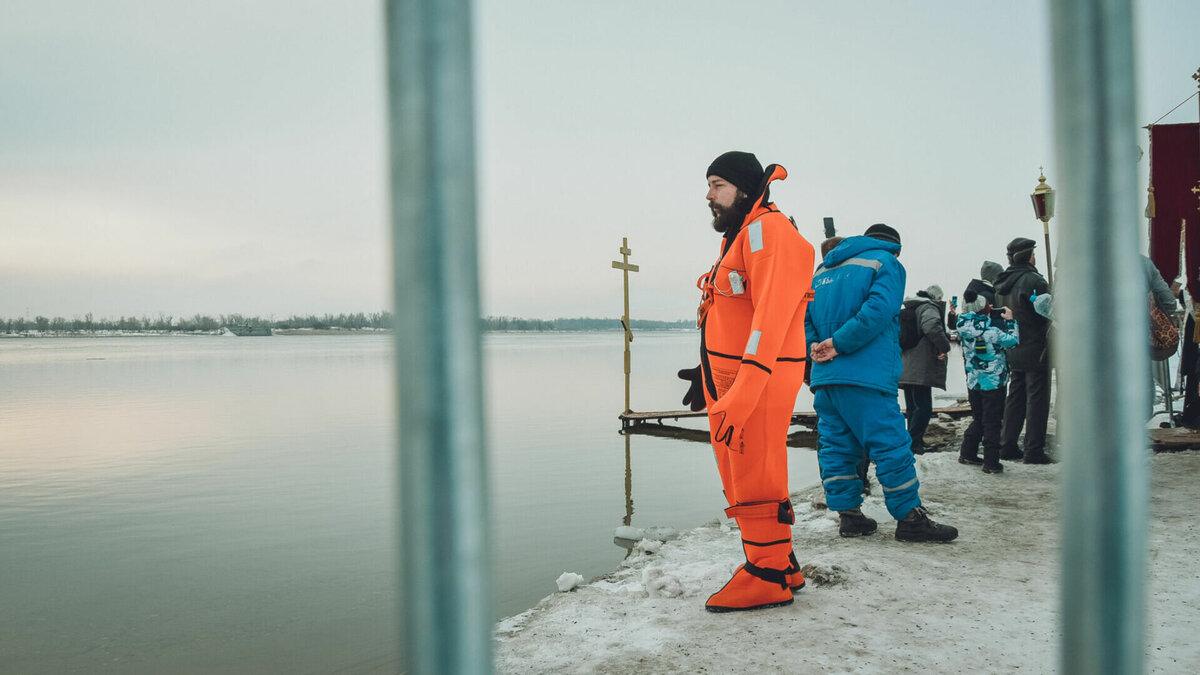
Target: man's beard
[(727, 218)]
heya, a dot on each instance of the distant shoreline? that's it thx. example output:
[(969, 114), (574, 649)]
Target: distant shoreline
[(191, 333), (291, 332), (329, 324)]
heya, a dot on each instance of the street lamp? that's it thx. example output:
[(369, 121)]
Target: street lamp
[(1043, 210)]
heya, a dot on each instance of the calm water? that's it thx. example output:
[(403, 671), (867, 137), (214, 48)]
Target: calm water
[(225, 505)]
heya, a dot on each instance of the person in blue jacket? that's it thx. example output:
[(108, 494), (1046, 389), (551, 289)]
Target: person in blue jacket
[(853, 332)]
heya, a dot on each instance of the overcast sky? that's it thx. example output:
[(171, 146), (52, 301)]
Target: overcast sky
[(175, 157)]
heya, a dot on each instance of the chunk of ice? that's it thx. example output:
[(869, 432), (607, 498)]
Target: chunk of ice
[(629, 532), (568, 581)]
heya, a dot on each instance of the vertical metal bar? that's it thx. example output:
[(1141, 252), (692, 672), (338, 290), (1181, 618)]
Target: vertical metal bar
[(446, 617), (1049, 262), (1102, 350)]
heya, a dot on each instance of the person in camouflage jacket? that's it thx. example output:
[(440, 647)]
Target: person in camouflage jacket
[(984, 339)]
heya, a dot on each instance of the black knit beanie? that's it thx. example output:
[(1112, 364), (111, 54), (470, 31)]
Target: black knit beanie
[(883, 233), (741, 169)]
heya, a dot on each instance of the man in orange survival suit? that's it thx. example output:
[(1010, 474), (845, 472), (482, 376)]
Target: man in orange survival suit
[(752, 352)]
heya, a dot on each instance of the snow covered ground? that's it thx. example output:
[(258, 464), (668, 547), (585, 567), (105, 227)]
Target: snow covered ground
[(987, 602)]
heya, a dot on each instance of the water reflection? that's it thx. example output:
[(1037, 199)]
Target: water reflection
[(628, 485), (624, 543)]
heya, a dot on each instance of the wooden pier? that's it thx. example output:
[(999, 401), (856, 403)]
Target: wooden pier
[(1173, 439), (653, 424)]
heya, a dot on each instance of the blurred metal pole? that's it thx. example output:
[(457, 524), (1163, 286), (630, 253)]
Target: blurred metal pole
[(1103, 348), (446, 618)]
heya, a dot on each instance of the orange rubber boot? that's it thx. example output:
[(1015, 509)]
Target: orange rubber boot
[(795, 578), (763, 580)]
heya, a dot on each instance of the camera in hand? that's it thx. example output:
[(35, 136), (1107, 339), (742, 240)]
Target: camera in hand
[(997, 315)]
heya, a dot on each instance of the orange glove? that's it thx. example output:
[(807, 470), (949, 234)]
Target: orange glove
[(731, 411)]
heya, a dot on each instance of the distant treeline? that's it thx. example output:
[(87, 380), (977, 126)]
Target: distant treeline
[(493, 323), (588, 323), (201, 323)]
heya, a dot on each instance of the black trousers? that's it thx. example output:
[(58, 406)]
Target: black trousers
[(1189, 364), (987, 418), (918, 408), (1028, 405)]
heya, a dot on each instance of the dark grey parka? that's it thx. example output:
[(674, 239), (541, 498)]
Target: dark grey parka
[(922, 366)]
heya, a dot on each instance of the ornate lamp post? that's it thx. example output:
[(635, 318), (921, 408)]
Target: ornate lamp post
[(1043, 210)]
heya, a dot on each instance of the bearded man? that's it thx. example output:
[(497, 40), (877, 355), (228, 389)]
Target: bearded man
[(752, 352)]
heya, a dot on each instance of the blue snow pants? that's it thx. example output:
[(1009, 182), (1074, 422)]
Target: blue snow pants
[(856, 422)]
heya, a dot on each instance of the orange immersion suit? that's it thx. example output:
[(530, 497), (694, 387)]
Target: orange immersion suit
[(752, 356)]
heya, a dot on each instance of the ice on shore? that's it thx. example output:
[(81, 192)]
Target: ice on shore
[(630, 533), (659, 584), (986, 602), (569, 581)]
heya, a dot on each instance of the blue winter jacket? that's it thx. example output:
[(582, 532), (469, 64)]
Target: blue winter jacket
[(857, 294)]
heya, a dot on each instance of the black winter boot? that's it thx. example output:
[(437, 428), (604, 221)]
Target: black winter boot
[(855, 524), (917, 526)]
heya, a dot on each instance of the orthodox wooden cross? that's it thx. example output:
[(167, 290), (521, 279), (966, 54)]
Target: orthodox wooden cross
[(626, 268)]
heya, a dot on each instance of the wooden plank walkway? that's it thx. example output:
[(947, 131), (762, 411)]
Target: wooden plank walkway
[(1174, 439), (649, 423), (809, 419), (800, 438)]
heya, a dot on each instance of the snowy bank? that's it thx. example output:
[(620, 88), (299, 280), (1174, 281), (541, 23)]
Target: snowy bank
[(986, 602)]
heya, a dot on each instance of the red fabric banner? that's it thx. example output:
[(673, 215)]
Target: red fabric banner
[(1174, 171)]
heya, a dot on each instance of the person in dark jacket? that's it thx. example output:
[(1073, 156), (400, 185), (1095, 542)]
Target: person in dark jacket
[(985, 283), (853, 338), (924, 364), (1028, 402), (1189, 366)]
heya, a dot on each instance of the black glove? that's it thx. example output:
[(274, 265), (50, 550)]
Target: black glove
[(694, 398)]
